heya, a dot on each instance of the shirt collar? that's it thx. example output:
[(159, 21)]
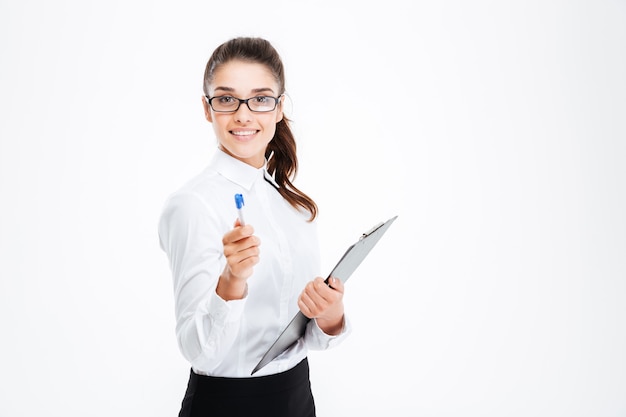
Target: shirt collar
[(239, 172)]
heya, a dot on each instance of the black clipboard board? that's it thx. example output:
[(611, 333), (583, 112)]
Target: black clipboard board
[(348, 263)]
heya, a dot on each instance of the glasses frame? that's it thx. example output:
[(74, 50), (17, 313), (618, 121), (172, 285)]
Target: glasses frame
[(210, 99)]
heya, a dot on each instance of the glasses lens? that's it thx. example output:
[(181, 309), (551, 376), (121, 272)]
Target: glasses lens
[(262, 103), (224, 103)]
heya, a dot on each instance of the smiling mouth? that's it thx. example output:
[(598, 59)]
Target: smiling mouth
[(244, 132)]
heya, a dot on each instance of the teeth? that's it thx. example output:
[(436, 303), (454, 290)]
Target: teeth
[(244, 133)]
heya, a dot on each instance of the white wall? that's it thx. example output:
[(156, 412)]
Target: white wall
[(498, 136)]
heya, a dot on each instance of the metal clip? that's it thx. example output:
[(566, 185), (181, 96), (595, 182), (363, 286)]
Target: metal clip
[(372, 230)]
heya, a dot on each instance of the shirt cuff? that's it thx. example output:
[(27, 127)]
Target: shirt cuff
[(325, 341), (226, 311)]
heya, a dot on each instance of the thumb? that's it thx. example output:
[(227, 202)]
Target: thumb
[(336, 284)]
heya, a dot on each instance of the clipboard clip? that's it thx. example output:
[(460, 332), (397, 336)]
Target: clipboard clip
[(372, 230)]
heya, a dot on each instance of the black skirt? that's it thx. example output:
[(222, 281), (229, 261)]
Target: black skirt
[(285, 394)]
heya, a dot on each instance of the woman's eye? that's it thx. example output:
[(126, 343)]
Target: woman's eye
[(261, 99), (226, 99)]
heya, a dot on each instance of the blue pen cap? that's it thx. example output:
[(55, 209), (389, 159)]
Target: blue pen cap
[(239, 201)]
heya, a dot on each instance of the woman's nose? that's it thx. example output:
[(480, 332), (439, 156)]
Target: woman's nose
[(243, 113)]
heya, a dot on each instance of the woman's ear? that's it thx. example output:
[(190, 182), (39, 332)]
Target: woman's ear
[(207, 109), (279, 115)]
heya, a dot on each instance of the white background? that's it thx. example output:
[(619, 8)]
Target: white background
[(495, 130)]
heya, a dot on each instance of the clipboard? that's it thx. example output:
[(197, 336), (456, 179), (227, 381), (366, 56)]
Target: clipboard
[(351, 259)]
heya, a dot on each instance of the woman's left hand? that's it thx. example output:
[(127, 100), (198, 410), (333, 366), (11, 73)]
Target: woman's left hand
[(324, 303)]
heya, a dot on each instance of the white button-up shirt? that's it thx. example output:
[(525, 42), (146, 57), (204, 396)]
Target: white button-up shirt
[(228, 338)]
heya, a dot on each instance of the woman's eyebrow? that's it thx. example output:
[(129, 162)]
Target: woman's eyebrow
[(262, 90), (254, 90), (227, 89)]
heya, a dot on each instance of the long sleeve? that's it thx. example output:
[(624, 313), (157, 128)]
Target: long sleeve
[(206, 325)]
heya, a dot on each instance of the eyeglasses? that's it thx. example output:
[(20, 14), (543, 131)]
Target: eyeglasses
[(229, 104)]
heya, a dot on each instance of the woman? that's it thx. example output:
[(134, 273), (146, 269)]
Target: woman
[(238, 285)]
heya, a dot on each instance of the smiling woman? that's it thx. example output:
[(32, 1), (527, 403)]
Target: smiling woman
[(495, 129), (232, 295), (243, 131)]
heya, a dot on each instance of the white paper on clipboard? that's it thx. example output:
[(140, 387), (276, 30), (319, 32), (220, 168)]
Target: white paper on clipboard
[(348, 263)]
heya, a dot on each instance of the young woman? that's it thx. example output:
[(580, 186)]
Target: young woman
[(236, 285)]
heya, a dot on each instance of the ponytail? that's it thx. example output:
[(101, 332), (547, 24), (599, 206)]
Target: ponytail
[(283, 166)]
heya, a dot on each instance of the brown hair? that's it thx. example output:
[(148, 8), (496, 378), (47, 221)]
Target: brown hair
[(281, 151)]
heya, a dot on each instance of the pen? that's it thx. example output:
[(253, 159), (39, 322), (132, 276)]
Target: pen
[(239, 203)]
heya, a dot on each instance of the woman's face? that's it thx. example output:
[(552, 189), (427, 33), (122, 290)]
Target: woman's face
[(244, 134)]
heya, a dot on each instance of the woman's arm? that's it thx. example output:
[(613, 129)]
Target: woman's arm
[(206, 324)]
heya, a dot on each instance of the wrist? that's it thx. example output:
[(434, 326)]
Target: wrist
[(231, 289), (331, 327)]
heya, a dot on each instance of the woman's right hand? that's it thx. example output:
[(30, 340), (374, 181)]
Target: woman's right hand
[(241, 249)]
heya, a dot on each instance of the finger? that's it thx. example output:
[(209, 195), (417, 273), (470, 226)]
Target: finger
[(244, 253), (323, 293), (241, 245), (241, 260), (336, 284), (237, 254), (244, 268), (312, 300), (238, 223), (238, 233), (304, 308)]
